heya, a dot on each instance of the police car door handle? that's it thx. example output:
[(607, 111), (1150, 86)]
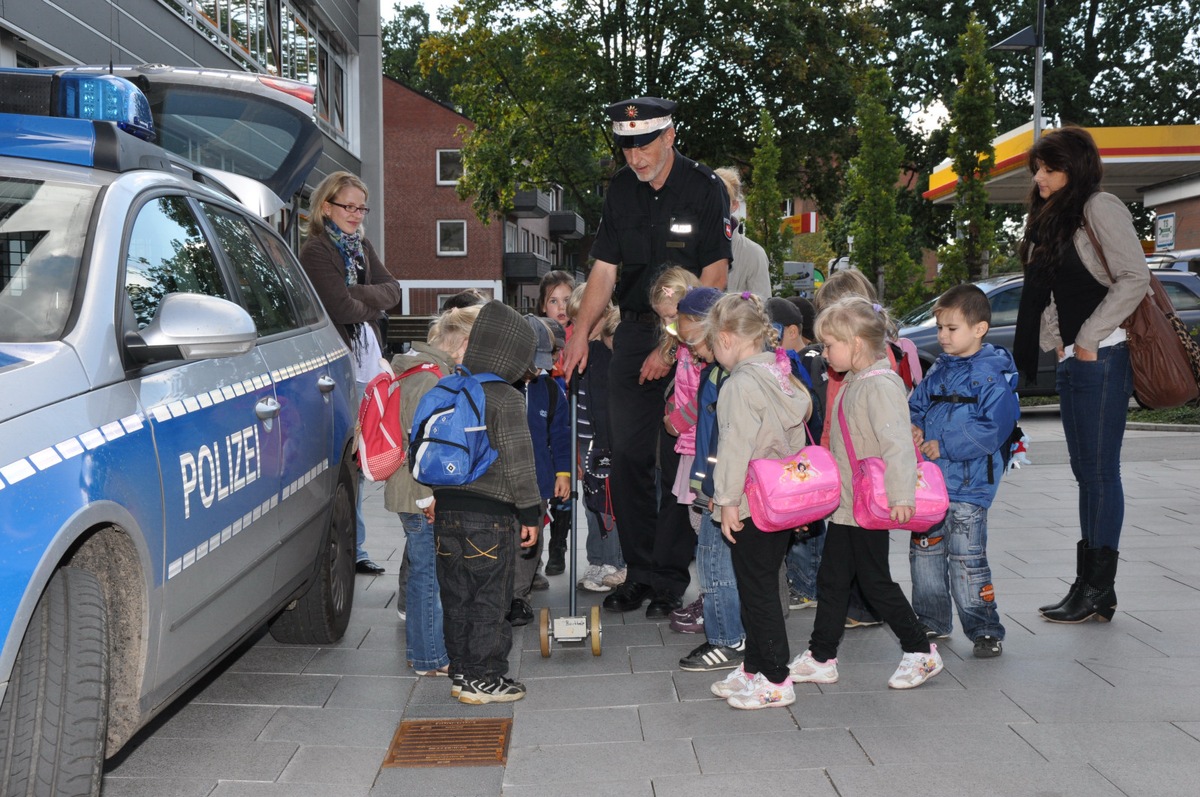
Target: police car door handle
[(266, 408), (325, 383)]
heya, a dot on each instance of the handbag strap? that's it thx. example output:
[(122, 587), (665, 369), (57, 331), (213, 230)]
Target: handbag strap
[(846, 427), (1099, 251)]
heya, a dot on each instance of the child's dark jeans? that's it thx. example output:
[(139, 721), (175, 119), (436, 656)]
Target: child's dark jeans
[(475, 564)]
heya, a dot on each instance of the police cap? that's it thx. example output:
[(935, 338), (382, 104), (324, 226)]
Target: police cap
[(638, 121)]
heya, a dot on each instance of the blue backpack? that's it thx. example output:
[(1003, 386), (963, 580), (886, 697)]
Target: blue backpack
[(449, 444)]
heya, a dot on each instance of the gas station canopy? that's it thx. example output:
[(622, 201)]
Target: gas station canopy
[(1135, 158)]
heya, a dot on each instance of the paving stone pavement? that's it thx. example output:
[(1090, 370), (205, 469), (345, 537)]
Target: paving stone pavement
[(1094, 709)]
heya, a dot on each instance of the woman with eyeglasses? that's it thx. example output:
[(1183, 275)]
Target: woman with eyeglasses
[(354, 285)]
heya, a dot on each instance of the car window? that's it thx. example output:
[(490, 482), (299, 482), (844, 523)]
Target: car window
[(264, 294), (303, 298), (43, 226), (1181, 297), (168, 253), (1004, 306)]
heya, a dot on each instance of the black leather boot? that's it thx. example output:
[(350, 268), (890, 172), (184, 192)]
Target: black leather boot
[(1096, 597), (560, 527), (1079, 549)]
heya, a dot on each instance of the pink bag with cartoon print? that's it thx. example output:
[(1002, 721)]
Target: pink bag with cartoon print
[(788, 493), (871, 507)]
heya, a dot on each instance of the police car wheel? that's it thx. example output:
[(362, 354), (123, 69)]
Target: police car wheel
[(55, 714), (322, 613)]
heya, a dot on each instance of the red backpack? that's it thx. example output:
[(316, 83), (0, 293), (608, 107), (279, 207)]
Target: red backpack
[(381, 438)]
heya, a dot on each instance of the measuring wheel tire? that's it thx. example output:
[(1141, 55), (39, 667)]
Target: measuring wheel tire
[(544, 632), (595, 630)]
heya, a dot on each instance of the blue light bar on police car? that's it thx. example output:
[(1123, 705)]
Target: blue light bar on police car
[(93, 97)]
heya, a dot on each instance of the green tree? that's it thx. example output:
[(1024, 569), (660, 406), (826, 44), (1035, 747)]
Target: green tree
[(880, 231), (401, 42), (764, 199), (972, 129), (535, 75)]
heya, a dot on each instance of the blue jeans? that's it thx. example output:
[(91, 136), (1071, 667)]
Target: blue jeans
[(951, 561), (1094, 400), (603, 542), (475, 568), (425, 642), (360, 389), (803, 561), (718, 585)]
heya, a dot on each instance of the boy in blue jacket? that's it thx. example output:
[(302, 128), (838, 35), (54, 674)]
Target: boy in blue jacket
[(962, 413)]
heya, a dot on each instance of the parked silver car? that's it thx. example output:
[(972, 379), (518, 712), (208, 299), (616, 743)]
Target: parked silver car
[(1004, 295), (175, 433)]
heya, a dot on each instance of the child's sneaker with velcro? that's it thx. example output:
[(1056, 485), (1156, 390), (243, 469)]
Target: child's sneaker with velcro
[(916, 668), (761, 693), (805, 669), (736, 681), (478, 691)]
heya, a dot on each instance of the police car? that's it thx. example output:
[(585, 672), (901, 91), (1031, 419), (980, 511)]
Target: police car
[(175, 430)]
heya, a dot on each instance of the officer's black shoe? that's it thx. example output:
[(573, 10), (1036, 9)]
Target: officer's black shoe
[(519, 613), (661, 606), (627, 597)]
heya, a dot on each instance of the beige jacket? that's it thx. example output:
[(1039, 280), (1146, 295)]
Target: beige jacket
[(877, 417), (1113, 227), (402, 491), (756, 419)]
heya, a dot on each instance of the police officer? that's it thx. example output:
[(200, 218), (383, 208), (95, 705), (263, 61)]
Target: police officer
[(661, 210)]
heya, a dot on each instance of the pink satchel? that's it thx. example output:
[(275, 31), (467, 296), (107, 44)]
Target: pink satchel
[(788, 493), (871, 508)]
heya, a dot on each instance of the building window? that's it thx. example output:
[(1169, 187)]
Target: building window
[(452, 238), (788, 208), (510, 237), (449, 166)]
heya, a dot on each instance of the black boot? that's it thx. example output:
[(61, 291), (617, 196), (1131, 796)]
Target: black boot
[(1079, 549), (560, 527), (1096, 597)]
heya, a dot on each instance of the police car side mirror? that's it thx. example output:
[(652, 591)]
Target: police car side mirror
[(192, 326)]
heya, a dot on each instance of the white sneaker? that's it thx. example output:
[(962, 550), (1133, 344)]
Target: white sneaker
[(735, 682), (592, 574), (600, 582), (614, 577), (807, 670), (761, 693), (916, 668)]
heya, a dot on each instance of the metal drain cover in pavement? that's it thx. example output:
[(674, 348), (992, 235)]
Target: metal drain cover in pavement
[(450, 743)]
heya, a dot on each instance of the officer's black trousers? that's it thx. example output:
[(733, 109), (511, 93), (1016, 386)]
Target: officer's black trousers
[(657, 540)]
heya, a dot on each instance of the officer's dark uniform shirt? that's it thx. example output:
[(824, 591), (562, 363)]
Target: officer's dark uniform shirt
[(643, 231)]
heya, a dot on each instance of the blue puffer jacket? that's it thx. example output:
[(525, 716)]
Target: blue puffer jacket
[(969, 405)]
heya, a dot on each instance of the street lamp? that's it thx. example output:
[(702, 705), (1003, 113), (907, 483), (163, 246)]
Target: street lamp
[(1031, 38)]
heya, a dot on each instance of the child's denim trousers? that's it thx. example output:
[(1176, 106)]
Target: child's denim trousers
[(949, 561), (718, 585)]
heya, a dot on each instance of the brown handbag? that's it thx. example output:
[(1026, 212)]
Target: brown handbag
[(1165, 359)]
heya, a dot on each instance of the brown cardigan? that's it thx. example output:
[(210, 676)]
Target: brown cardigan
[(349, 304)]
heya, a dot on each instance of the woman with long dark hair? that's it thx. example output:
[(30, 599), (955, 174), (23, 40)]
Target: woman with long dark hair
[(1070, 305)]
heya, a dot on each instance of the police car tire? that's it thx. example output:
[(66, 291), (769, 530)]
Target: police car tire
[(54, 718), (322, 613)]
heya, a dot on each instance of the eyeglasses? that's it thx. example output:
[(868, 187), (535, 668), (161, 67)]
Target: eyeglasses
[(351, 209)]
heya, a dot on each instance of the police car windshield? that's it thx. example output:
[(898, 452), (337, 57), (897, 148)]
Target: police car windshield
[(43, 226)]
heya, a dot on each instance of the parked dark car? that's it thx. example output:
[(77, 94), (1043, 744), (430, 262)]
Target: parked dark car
[(1004, 294)]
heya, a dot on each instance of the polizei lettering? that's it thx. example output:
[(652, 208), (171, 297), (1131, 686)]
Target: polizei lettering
[(218, 471)]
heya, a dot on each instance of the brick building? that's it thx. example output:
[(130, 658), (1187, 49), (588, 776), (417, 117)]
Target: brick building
[(437, 245)]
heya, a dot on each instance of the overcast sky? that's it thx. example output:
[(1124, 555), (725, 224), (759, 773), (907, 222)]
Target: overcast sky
[(388, 8)]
